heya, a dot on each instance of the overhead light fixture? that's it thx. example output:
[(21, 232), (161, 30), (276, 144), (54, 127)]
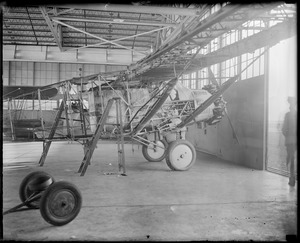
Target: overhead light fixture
[(118, 20)]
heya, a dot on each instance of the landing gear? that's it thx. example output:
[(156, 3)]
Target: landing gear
[(60, 203), (33, 184), (156, 151), (181, 155)]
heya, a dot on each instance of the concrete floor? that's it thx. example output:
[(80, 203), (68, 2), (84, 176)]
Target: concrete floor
[(214, 200)]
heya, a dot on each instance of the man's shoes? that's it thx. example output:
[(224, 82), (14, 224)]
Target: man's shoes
[(292, 182)]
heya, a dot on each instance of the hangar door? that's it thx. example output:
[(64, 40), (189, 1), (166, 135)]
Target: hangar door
[(282, 84)]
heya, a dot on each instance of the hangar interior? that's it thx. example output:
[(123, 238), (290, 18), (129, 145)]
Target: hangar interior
[(173, 114)]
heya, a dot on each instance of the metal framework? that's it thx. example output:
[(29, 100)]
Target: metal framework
[(167, 43), (137, 130), (147, 28)]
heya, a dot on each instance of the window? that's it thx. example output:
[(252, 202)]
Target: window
[(193, 80), (215, 8), (48, 104), (193, 51), (230, 37), (204, 50), (257, 68), (252, 27), (229, 69), (202, 78), (215, 44), (186, 80)]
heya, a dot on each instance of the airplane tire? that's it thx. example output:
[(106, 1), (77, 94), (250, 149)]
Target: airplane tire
[(156, 155), (60, 203), (36, 181), (181, 155)]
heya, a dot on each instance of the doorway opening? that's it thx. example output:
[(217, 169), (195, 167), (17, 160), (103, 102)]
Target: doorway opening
[(282, 83)]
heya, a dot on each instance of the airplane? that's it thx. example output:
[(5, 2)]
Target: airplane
[(159, 123), (155, 109)]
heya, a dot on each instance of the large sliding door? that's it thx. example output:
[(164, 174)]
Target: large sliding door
[(282, 83)]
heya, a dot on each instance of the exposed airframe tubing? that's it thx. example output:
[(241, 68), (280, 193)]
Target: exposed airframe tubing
[(134, 134), (188, 119), (169, 87), (212, 98), (161, 100)]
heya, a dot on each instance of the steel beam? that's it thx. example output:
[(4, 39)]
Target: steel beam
[(178, 30), (32, 26), (147, 9), (97, 37), (212, 19), (146, 40), (268, 37), (56, 36), (117, 21), (24, 26), (123, 38), (223, 14), (217, 94), (29, 53)]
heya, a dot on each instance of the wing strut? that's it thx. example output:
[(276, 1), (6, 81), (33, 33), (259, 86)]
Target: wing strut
[(162, 98), (216, 95)]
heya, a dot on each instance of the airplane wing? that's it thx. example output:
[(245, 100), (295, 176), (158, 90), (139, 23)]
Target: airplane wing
[(28, 92)]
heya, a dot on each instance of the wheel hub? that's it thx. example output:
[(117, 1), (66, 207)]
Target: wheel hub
[(181, 156), (156, 151), (63, 204)]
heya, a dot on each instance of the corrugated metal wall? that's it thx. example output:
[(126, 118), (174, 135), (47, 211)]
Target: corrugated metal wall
[(42, 73)]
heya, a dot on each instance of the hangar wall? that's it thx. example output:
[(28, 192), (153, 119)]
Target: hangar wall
[(16, 73), (23, 73), (48, 116), (245, 108)]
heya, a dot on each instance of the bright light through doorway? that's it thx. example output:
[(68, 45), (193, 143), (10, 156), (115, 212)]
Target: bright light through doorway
[(282, 77), (282, 83)]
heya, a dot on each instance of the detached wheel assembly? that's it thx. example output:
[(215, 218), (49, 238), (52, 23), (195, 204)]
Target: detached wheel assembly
[(60, 203), (156, 151), (33, 184), (181, 155)]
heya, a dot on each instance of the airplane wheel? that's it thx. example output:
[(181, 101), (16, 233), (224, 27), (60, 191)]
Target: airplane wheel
[(34, 182), (181, 155), (60, 203), (154, 153)]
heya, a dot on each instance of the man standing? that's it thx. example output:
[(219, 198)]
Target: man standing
[(289, 130)]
